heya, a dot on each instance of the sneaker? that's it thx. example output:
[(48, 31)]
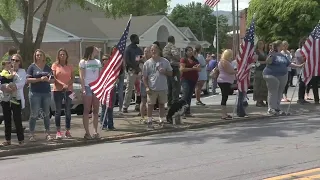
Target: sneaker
[(67, 134), (302, 101), (281, 113), (150, 126), (112, 129), (6, 143), (32, 138), (161, 123), (49, 137), (21, 143), (272, 112), (58, 135), (125, 110)]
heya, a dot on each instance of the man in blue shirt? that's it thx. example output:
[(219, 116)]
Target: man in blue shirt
[(213, 62)]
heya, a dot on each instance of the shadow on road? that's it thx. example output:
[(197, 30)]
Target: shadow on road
[(290, 126)]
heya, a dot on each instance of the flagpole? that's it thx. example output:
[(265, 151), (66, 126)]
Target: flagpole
[(217, 33)]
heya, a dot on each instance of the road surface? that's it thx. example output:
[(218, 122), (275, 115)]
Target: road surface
[(242, 151)]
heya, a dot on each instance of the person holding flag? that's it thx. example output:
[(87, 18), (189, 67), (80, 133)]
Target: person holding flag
[(106, 117), (244, 60), (310, 51), (104, 85)]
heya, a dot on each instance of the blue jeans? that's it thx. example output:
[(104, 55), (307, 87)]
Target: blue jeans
[(240, 104), (187, 91), (58, 96), (108, 123), (120, 85), (214, 85), (40, 108)]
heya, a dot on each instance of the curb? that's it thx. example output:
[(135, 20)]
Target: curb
[(82, 142)]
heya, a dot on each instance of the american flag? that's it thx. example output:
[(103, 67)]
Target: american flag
[(212, 3), (245, 59), (104, 85), (311, 51)]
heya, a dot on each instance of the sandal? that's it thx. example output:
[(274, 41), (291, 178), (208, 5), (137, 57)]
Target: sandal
[(6, 143), (96, 136), (228, 117), (32, 138), (87, 136)]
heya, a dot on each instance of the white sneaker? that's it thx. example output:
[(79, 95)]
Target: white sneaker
[(272, 112)]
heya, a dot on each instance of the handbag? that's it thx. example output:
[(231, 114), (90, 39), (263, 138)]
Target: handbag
[(215, 72)]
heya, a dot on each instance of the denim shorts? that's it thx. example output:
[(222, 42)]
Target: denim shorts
[(88, 91)]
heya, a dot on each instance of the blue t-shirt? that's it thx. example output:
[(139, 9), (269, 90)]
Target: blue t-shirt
[(279, 65), (212, 64), (35, 72)]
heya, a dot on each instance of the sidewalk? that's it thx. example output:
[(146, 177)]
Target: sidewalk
[(128, 126)]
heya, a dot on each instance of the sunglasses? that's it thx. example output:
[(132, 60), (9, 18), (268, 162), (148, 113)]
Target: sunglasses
[(15, 60), (104, 59)]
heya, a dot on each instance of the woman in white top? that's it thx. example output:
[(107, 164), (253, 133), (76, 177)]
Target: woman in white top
[(89, 72), (203, 77), (11, 109)]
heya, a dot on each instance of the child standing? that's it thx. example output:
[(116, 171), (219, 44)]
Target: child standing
[(7, 76)]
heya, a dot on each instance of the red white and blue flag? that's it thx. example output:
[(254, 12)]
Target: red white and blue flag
[(212, 3), (103, 87), (311, 52), (245, 59)]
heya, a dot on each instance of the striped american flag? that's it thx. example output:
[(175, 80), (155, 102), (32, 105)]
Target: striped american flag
[(245, 59), (212, 3), (311, 52), (103, 87)]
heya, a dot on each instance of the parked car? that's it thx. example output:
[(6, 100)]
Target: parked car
[(76, 104)]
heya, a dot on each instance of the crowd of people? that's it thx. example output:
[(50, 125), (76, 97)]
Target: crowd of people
[(158, 76)]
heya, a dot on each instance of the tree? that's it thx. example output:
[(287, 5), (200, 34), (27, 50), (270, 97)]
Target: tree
[(284, 20), (12, 9), (200, 19)]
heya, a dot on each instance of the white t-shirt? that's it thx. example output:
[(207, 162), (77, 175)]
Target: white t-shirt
[(288, 55), (92, 69)]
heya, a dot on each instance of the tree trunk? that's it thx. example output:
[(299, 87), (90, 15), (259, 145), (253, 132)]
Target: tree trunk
[(26, 51)]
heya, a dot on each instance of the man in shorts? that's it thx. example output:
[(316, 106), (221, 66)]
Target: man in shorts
[(155, 72)]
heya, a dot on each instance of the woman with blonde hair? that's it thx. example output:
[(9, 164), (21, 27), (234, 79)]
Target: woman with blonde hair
[(39, 76), (62, 89), (225, 80), (12, 110)]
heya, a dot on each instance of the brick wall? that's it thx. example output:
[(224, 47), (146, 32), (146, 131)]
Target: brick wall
[(51, 48)]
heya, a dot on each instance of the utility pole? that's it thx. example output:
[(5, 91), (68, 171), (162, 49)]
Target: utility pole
[(234, 30), (238, 27)]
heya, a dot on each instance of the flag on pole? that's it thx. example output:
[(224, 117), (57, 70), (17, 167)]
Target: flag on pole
[(212, 3), (311, 51), (214, 43), (245, 59), (104, 85)]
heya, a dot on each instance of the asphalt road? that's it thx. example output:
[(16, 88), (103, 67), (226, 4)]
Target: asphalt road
[(242, 151)]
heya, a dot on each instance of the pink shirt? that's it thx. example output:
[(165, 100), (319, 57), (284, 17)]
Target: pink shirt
[(225, 77), (63, 73)]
